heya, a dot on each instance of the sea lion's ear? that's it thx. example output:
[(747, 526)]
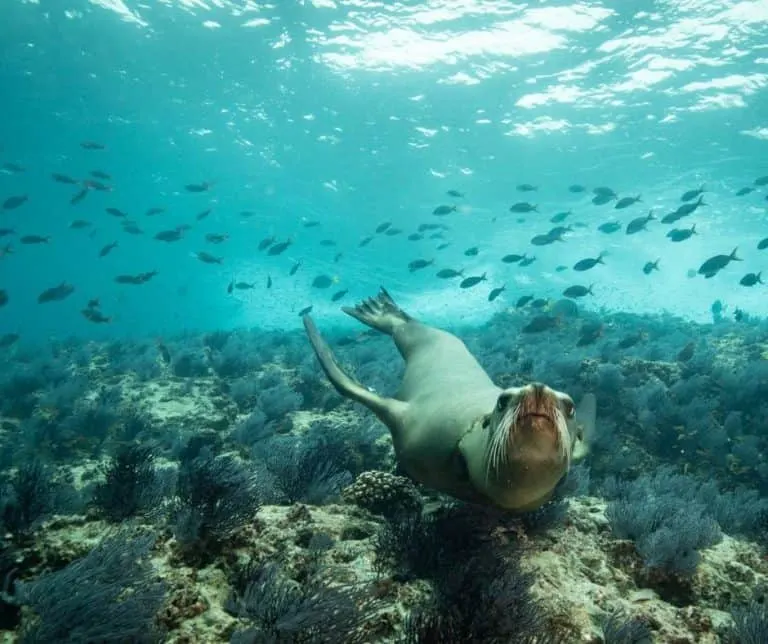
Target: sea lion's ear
[(582, 426), (486, 421)]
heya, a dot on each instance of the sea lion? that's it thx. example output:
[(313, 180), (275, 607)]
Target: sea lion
[(454, 430)]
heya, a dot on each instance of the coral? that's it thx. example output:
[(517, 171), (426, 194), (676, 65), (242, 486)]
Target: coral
[(383, 493)]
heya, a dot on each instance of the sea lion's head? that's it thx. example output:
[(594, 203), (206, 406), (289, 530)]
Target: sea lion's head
[(529, 443)]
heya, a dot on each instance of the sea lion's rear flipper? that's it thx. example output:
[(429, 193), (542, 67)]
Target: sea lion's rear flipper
[(388, 410), (583, 426), (380, 312)]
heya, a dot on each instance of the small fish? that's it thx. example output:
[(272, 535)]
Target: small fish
[(34, 239), (540, 303), (671, 218), (97, 185), (690, 195), (116, 212), (589, 336), (681, 234), (513, 258), (762, 181), (560, 268), (99, 174), (609, 227), (744, 191), (686, 353), (5, 232), (717, 263), (63, 178), (79, 224), (295, 268), (576, 188), (560, 217), (106, 250), (496, 292), (93, 303), (443, 210), (526, 187), (578, 291), (650, 267), (629, 341), (266, 242), (415, 237), (750, 279), (79, 196), (589, 262), (448, 273), (7, 340), (140, 278), (162, 349), (11, 203), (391, 232), (603, 191), (269, 281), (207, 258), (322, 281), (469, 282), (428, 226), (383, 226), (339, 294), (626, 202), (636, 225), (198, 187), (443, 246), (204, 214), (541, 323), (94, 315), (601, 200), (247, 213), (92, 145), (523, 206), (544, 240), (365, 241), (169, 235), (418, 264), (305, 311), (527, 261), (311, 223), (244, 286), (688, 208), (151, 212), (456, 194), (279, 248), (131, 228), (472, 252), (216, 238), (56, 293), (3, 297), (12, 168), (762, 244)]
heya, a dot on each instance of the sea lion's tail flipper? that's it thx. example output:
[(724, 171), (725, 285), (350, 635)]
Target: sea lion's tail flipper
[(584, 421), (380, 312), (387, 409)]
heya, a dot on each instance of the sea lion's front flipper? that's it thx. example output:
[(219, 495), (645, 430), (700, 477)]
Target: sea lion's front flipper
[(380, 312), (388, 410), (582, 426)]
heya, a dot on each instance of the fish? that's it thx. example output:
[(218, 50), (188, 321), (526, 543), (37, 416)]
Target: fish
[(391, 232), (560, 217), (266, 242), (762, 244), (204, 214), (443, 210), (3, 297), (244, 286), (418, 264), (63, 178), (279, 248), (339, 294), (540, 303), (151, 212), (762, 181), (690, 195), (79, 224), (455, 193), (365, 241), (443, 246), (305, 311), (525, 299), (415, 237), (5, 232), (601, 200), (92, 314), (626, 202), (578, 291), (640, 223), (79, 196), (140, 278), (131, 228), (34, 239), (432, 226), (681, 234), (472, 252), (322, 281), (447, 273), (216, 238), (56, 293), (383, 226), (560, 268), (92, 145), (527, 261), (11, 203), (609, 227), (686, 353), (589, 262), (576, 188), (295, 268), (544, 240), (337, 258), (717, 263), (7, 340), (328, 243), (526, 187), (96, 185), (99, 174), (496, 292), (750, 279), (12, 168), (311, 223), (671, 218), (116, 212), (207, 258), (604, 191), (169, 235), (541, 323), (198, 187), (744, 191), (269, 281), (513, 258), (688, 208), (106, 250), (523, 206), (469, 282), (629, 341), (650, 267)]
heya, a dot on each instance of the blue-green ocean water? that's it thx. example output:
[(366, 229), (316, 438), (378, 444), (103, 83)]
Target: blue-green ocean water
[(353, 113)]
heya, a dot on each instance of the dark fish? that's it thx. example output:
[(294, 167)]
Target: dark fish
[(560, 268), (523, 206), (8, 339), (426, 227), (472, 252), (216, 238), (34, 239), (544, 240), (94, 315), (12, 168), (295, 268), (230, 287), (686, 353), (437, 236), (762, 181), (469, 282), (527, 261), (56, 293), (601, 200), (650, 267), (688, 208), (79, 224), (609, 227), (14, 202), (692, 194), (337, 258), (100, 175), (541, 323), (447, 273), (312, 223), (207, 258), (415, 237), (762, 244), (247, 213), (636, 225), (418, 264), (169, 235), (456, 194), (589, 335), (525, 299), (576, 188), (539, 303), (202, 215), (3, 297), (131, 228), (97, 185), (165, 354), (244, 286), (383, 226), (629, 341), (93, 303), (513, 258), (269, 281), (116, 212), (322, 281), (681, 234), (63, 178), (750, 279), (305, 311), (578, 291), (605, 192), (140, 278), (328, 243), (589, 262), (4, 232), (391, 232), (198, 187), (338, 295), (526, 187), (106, 250), (626, 202), (744, 191), (92, 145), (79, 197), (560, 217), (671, 218), (266, 242), (154, 211), (717, 263), (365, 241), (279, 248), (496, 292), (443, 210), (443, 246)]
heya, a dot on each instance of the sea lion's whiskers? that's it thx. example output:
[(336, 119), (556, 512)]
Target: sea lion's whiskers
[(563, 436), (498, 450)]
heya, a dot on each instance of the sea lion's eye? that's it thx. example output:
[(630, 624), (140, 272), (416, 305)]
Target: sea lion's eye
[(503, 401), (570, 410)]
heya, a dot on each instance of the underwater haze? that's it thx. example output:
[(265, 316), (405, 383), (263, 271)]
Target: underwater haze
[(317, 122)]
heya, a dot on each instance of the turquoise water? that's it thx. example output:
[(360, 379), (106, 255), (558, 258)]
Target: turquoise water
[(356, 113)]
